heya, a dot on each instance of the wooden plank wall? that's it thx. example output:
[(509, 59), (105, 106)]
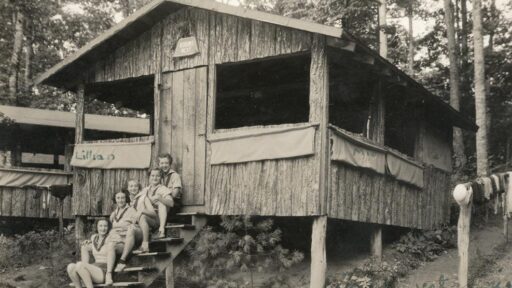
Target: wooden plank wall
[(365, 196), (222, 37), (94, 189), (280, 187), (28, 203)]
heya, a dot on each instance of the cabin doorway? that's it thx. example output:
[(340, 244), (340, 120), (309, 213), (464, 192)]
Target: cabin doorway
[(183, 128)]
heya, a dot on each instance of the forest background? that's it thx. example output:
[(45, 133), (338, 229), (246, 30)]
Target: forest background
[(35, 35)]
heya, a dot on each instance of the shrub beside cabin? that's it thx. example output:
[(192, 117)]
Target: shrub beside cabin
[(267, 115)]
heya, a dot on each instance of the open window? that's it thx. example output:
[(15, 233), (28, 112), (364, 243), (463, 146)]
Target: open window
[(401, 122), (266, 92), (350, 93)]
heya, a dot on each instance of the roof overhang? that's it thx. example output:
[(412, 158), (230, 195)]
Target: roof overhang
[(69, 72), (51, 118)]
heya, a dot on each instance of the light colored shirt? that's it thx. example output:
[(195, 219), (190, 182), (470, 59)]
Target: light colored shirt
[(100, 256), (172, 180)]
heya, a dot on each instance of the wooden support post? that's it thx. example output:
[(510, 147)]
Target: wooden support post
[(169, 276), (376, 242), (157, 89), (319, 112), (505, 217), (79, 137), (463, 198), (318, 255), (61, 218)]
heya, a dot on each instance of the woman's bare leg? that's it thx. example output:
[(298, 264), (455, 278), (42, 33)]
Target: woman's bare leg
[(73, 275), (162, 216), (146, 224), (84, 275), (95, 273), (112, 250)]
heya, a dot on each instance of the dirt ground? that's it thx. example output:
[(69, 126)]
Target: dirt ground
[(490, 265), (486, 245)]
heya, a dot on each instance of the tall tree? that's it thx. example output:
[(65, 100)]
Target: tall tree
[(482, 164), (458, 142), (383, 43), (18, 18), (410, 52)]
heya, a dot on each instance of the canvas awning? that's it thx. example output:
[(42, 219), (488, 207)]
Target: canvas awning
[(19, 177)]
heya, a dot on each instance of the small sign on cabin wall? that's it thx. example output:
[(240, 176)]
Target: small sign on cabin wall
[(186, 47), (112, 155)]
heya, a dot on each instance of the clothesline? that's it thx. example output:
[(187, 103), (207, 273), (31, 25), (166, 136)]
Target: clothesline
[(495, 187)]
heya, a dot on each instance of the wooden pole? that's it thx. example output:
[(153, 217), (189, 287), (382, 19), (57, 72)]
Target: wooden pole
[(463, 198), (169, 276), (80, 221), (318, 255), (61, 218), (376, 243)]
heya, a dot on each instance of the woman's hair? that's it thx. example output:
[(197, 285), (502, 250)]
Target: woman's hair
[(97, 222), (166, 155), (126, 194), (134, 180), (156, 169)]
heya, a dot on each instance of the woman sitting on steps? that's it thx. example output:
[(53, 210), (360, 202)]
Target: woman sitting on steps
[(160, 198), (91, 273), (146, 213), (125, 234)]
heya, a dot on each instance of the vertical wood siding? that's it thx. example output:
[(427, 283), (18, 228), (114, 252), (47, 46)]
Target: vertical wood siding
[(223, 37), (93, 189), (362, 195), (283, 187), (183, 128), (29, 203)]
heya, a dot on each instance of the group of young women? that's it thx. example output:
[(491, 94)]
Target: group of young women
[(137, 213)]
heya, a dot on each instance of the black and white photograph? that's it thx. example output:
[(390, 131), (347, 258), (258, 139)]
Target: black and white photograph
[(256, 143)]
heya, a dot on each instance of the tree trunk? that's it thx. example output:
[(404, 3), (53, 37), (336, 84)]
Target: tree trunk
[(482, 165), (410, 58), (458, 142), (383, 42), (15, 56), (464, 48), (29, 52)]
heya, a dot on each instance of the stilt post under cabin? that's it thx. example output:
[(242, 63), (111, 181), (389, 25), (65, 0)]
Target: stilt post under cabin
[(169, 276), (80, 220), (318, 254)]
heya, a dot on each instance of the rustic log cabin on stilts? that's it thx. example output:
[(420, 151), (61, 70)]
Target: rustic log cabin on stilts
[(266, 115)]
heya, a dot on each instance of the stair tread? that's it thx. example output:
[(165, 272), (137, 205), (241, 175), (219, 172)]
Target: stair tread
[(137, 269), (179, 225), (152, 254), (167, 239), (190, 213), (116, 284)]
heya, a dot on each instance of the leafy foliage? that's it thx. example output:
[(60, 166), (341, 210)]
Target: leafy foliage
[(240, 244)]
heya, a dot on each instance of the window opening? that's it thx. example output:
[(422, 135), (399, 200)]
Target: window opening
[(265, 92)]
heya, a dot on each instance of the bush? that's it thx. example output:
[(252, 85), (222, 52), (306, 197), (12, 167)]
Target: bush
[(427, 245), (239, 244), (31, 247)]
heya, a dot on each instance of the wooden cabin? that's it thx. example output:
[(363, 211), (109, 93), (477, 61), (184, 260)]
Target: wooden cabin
[(37, 146), (267, 115)]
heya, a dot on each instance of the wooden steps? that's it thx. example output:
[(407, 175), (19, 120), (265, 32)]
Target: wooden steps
[(144, 268), (153, 254), (118, 284), (181, 226), (169, 240)]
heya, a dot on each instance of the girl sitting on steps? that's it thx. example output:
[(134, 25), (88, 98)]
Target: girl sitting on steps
[(92, 273)]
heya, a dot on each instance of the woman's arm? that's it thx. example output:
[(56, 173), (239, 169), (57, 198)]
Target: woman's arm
[(84, 251)]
